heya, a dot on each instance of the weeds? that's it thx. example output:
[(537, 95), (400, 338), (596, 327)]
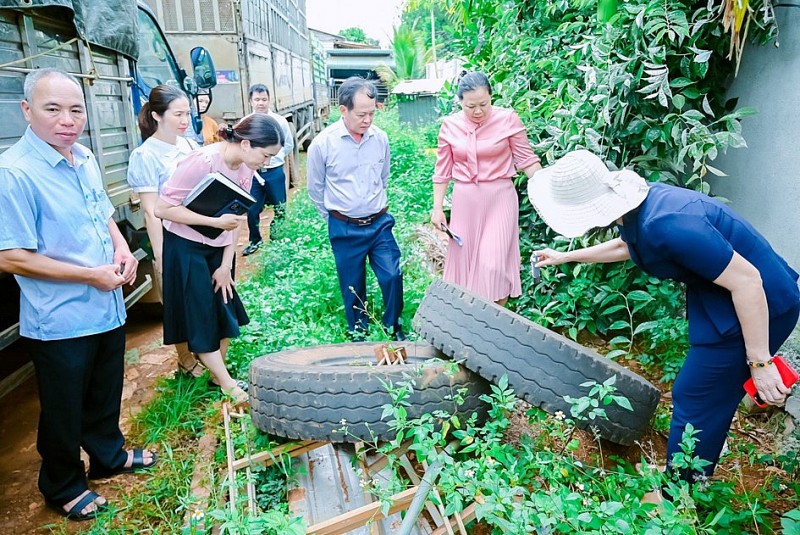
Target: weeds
[(293, 297)]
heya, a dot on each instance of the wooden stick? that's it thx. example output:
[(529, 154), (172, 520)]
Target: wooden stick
[(251, 488), (467, 515), (267, 457), (383, 461), (359, 517), (226, 418)]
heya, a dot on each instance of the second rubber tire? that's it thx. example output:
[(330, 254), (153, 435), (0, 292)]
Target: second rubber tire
[(542, 366), (306, 393)]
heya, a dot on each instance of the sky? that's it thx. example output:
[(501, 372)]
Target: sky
[(375, 17)]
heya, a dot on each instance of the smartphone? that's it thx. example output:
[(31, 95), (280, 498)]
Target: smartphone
[(536, 272), (453, 235), (788, 375)]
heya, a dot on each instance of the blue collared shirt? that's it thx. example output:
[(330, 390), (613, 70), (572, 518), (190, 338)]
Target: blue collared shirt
[(686, 236), (60, 211), (348, 176)]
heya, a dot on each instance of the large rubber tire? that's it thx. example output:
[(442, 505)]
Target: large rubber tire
[(306, 393), (542, 366)]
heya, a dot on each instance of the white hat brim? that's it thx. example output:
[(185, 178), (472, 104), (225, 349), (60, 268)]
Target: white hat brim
[(576, 219)]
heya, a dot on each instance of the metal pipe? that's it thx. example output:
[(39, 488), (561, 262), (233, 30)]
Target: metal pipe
[(25, 70), (419, 498)]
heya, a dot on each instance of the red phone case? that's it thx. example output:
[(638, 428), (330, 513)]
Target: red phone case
[(788, 375)]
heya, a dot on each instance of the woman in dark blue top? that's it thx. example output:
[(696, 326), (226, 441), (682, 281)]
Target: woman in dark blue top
[(742, 298)]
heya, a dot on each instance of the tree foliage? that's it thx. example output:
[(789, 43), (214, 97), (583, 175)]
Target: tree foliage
[(646, 89), (417, 14), (358, 35)]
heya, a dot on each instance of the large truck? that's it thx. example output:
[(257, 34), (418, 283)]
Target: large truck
[(119, 52), (254, 42), (322, 89)]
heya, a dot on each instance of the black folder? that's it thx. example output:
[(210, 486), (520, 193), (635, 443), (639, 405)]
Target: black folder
[(214, 196)]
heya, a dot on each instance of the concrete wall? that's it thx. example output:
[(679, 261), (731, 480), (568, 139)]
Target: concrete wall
[(763, 181)]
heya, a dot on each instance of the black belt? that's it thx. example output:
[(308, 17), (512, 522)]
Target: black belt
[(358, 221)]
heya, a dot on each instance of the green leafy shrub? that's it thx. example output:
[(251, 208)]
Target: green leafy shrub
[(646, 89)]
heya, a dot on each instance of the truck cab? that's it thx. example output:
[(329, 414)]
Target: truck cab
[(119, 54)]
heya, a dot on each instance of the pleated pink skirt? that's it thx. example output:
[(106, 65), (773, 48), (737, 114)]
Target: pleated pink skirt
[(486, 216)]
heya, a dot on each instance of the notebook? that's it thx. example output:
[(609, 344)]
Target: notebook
[(214, 196)]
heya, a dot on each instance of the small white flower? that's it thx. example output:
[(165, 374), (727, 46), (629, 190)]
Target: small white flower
[(581, 486), (559, 415), (363, 483), (343, 421), (782, 487), (469, 473), (198, 515)]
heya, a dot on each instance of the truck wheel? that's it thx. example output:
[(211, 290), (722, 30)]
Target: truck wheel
[(307, 393), (542, 366)]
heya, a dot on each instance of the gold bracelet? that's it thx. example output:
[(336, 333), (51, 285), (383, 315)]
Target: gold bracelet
[(758, 364)]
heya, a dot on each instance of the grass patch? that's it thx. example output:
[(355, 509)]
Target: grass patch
[(293, 298)]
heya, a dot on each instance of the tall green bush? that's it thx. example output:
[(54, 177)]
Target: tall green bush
[(645, 89)]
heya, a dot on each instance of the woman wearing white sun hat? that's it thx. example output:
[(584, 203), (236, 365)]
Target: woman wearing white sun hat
[(742, 297)]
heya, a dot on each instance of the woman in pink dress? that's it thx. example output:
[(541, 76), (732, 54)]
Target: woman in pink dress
[(481, 149)]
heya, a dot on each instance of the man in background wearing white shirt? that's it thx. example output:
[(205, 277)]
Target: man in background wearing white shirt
[(269, 186)]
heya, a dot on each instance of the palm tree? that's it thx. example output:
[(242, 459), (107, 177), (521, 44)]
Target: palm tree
[(410, 56), (414, 4)]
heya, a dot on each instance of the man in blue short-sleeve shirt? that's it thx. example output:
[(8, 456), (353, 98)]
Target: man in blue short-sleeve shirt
[(742, 297), (58, 238)]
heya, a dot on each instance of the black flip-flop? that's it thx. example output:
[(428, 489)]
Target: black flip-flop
[(136, 465), (75, 512)]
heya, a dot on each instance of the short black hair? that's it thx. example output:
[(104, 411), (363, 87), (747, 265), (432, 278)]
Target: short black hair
[(351, 87), (257, 88)]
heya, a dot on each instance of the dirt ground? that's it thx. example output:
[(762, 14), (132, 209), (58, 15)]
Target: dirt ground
[(22, 509)]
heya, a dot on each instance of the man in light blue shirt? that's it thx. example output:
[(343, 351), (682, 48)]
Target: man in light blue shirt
[(347, 174), (58, 238), (269, 185)]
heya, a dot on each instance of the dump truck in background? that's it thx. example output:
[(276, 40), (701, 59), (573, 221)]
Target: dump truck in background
[(119, 53), (253, 42), (322, 89)]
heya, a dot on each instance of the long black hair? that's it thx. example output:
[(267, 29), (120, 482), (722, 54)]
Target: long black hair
[(161, 96), (259, 129)]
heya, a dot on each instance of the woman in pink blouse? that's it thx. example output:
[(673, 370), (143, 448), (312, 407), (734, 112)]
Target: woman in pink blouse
[(201, 306), (481, 149)]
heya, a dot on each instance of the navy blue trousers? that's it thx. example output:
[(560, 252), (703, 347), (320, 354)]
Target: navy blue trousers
[(709, 389), (273, 192), (80, 389), (352, 245)]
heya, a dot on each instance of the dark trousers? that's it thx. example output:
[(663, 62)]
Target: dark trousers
[(352, 245), (273, 192), (708, 390), (80, 389)]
